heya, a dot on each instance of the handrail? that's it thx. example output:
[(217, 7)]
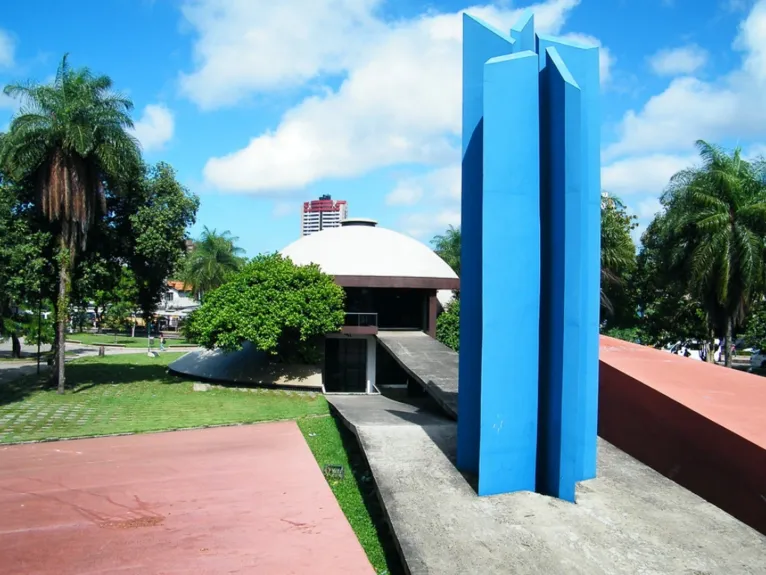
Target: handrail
[(361, 319)]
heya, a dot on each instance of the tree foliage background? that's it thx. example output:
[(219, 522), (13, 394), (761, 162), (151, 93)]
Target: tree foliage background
[(699, 273), (448, 325), (78, 205), (278, 306)]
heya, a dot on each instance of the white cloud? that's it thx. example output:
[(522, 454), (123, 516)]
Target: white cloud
[(605, 58), (404, 194), (282, 209), (8, 103), (736, 5), (755, 152), (246, 46), (426, 225), (399, 102), (678, 61), (648, 208), (441, 184), (690, 108), (7, 49), (155, 127), (643, 174)]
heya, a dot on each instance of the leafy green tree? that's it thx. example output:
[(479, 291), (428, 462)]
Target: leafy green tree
[(40, 327), (447, 245), (278, 306), (117, 316), (24, 266), (95, 277), (755, 327), (668, 312), (69, 139), (631, 334), (618, 264), (716, 217), (120, 302), (214, 259), (156, 227), (448, 325)]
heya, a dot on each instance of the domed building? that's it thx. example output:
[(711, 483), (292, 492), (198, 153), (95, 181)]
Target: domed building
[(392, 282)]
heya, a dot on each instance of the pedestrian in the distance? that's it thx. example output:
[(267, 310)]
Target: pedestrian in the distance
[(162, 342)]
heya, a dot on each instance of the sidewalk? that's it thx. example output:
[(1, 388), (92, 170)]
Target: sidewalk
[(12, 369)]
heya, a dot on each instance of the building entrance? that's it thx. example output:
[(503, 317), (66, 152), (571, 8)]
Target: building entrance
[(345, 367)]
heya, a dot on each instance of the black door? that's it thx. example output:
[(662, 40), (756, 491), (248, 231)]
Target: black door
[(345, 365)]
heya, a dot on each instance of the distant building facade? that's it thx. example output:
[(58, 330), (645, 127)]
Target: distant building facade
[(178, 302), (318, 215)]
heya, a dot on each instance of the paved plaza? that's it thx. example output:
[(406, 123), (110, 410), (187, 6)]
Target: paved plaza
[(248, 499)]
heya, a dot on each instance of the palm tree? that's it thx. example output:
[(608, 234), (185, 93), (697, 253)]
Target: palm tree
[(211, 263), (447, 245), (68, 140), (717, 224), (618, 252)]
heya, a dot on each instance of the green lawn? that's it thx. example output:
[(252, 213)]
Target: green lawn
[(332, 444), (134, 394), (104, 338)]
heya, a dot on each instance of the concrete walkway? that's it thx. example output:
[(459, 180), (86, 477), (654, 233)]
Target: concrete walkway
[(12, 369), (430, 362), (247, 499), (630, 520)]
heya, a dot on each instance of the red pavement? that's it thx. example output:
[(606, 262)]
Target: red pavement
[(228, 500)]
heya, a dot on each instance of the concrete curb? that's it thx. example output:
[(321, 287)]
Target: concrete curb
[(335, 412)]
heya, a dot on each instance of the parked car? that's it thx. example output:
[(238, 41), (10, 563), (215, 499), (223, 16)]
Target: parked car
[(690, 348), (758, 359)]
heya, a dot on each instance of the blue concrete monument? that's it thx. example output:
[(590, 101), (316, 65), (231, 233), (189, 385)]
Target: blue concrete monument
[(531, 193)]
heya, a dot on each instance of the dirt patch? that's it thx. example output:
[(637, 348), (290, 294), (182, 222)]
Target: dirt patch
[(133, 523)]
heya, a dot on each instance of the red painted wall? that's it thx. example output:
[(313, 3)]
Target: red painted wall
[(702, 425)]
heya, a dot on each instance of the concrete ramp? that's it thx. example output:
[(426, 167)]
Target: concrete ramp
[(630, 520), (429, 362)]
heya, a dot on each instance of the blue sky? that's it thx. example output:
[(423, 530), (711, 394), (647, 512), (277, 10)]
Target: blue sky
[(262, 105)]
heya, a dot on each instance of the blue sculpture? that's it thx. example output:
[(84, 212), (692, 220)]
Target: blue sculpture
[(528, 380)]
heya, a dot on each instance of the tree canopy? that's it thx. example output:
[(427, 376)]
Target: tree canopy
[(157, 230), (213, 260), (69, 139), (448, 325), (80, 205), (273, 303), (24, 266), (715, 225), (618, 260), (447, 245)]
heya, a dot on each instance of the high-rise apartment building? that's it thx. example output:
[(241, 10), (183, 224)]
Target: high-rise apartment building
[(323, 213)]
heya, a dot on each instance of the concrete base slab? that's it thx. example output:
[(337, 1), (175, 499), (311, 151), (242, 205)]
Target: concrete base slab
[(629, 520)]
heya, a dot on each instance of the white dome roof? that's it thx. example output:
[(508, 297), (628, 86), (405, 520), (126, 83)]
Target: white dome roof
[(362, 249)]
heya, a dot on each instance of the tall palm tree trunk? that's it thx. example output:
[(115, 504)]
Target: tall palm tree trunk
[(727, 342), (62, 308), (710, 344)]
